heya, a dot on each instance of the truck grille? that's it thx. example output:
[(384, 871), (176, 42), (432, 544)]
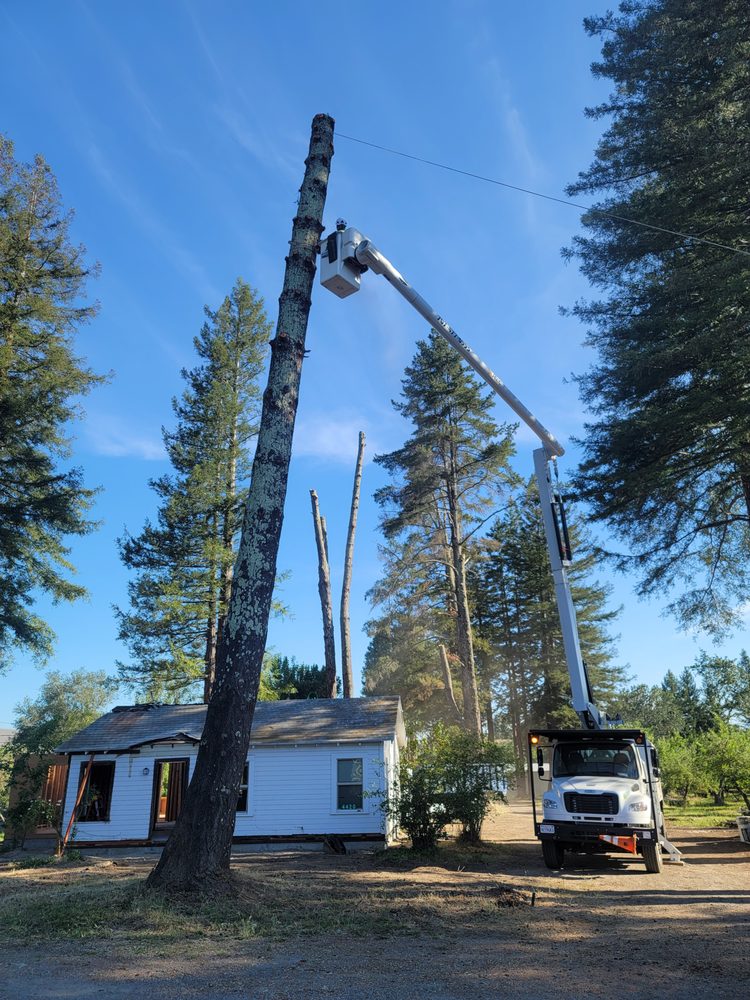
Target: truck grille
[(606, 804)]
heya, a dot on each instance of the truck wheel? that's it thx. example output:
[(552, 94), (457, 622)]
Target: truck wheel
[(651, 851), (553, 853)]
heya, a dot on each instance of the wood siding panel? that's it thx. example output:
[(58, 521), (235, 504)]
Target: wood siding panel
[(291, 791)]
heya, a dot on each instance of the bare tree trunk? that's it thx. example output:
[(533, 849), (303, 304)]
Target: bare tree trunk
[(346, 583), (490, 717), (472, 718), (197, 854), (448, 681), (464, 640), (326, 600), (229, 518), (210, 656)]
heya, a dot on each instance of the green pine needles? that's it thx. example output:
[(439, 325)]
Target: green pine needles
[(667, 452), (183, 563), (42, 289)]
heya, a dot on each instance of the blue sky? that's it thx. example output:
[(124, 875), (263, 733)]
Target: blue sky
[(177, 132)]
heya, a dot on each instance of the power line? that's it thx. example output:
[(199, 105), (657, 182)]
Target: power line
[(546, 197)]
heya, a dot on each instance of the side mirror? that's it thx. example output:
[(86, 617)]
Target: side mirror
[(541, 768), (654, 758), (656, 771)]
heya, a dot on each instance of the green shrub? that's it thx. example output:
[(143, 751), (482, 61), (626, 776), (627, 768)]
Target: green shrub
[(448, 776)]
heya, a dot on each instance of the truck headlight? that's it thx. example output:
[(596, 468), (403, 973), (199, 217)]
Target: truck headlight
[(639, 807), (549, 803)]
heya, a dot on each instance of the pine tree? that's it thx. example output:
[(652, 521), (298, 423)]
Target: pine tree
[(42, 282), (518, 620), (667, 454), (183, 563), (446, 482)]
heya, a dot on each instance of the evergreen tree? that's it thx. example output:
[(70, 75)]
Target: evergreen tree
[(42, 282), (446, 482), (526, 666), (183, 563), (667, 456), (286, 680)]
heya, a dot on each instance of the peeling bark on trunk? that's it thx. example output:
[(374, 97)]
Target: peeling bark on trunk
[(346, 584), (326, 601), (448, 681), (197, 854)]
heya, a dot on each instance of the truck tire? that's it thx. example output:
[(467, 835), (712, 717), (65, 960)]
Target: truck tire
[(651, 851), (553, 853)]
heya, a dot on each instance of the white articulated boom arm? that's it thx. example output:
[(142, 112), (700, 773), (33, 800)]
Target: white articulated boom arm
[(345, 255)]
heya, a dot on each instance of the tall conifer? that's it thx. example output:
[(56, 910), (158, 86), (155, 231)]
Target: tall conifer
[(447, 480), (183, 563), (667, 453), (42, 284), (519, 622)]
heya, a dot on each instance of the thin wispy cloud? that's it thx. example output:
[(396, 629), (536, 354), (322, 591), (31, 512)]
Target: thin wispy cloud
[(333, 437), (146, 219), (256, 141), (113, 436), (204, 44)]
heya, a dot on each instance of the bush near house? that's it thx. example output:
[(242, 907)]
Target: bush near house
[(448, 776)]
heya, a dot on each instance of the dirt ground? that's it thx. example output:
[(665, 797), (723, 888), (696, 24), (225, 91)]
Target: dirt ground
[(600, 928)]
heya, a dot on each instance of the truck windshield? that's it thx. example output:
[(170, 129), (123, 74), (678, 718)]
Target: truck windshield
[(607, 759)]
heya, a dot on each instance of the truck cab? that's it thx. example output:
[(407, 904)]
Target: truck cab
[(596, 791)]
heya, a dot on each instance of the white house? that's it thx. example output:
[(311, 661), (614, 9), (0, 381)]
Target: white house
[(314, 769)]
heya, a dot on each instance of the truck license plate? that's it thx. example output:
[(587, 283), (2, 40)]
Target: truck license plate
[(546, 828)]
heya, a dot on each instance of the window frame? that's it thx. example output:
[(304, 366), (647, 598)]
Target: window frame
[(244, 784), (80, 818), (335, 808)]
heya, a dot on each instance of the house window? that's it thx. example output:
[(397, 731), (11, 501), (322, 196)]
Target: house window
[(349, 783), (97, 795), (242, 799)]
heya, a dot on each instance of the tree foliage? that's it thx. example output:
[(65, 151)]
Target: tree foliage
[(446, 481), (42, 284), (284, 679), (448, 776), (183, 563), (65, 704), (518, 621), (666, 458)]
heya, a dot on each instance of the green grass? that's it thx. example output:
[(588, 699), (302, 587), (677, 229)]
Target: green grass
[(702, 814)]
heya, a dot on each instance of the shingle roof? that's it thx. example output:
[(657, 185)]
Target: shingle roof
[(312, 721)]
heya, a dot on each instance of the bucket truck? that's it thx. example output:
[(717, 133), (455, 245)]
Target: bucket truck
[(600, 786)]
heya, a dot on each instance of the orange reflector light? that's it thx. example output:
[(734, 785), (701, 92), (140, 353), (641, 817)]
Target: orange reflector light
[(534, 739), (624, 843)]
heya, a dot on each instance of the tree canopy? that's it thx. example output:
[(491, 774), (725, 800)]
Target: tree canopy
[(183, 563), (666, 456), (447, 480), (42, 289)]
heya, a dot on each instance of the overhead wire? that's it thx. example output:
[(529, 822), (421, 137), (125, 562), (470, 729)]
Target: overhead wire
[(588, 209)]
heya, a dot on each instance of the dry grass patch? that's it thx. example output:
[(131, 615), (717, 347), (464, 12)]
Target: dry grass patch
[(271, 897)]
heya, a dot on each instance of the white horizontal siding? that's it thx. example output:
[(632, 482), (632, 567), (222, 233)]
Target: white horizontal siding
[(292, 791), (130, 809)]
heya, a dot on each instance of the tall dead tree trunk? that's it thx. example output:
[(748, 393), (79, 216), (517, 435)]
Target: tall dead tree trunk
[(197, 854), (326, 600), (346, 583)]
